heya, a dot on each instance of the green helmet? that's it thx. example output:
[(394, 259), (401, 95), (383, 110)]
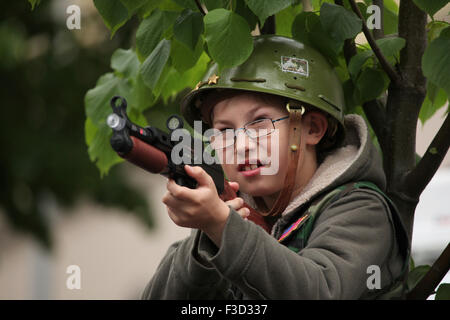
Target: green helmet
[(279, 66)]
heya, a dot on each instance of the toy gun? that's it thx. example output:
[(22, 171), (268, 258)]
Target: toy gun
[(150, 149)]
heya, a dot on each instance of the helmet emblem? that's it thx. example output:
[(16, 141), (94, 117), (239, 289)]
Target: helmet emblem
[(213, 79), (295, 65)]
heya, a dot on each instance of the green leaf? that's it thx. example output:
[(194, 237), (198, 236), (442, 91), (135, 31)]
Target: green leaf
[(228, 37), (244, 11), (125, 62), (100, 150), (349, 94), (370, 84), (144, 11), (435, 28), (434, 100), (390, 21), (390, 5), (183, 58), (265, 8), (412, 264), (443, 292), (137, 117), (436, 61), (187, 79), (141, 96), (363, 9), (430, 6), (97, 99), (390, 47), (299, 28), (151, 31), (321, 40), (357, 62), (154, 64), (215, 4), (339, 22), (113, 12), (90, 130), (285, 19), (34, 3), (189, 4), (188, 28), (415, 276), (133, 5)]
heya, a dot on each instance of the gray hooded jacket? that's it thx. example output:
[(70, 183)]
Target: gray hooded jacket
[(353, 238)]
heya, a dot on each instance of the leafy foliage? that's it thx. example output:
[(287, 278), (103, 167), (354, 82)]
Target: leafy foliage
[(224, 30), (173, 35), (443, 292), (339, 22), (430, 6), (436, 61)]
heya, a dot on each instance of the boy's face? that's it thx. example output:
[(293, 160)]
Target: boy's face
[(234, 112)]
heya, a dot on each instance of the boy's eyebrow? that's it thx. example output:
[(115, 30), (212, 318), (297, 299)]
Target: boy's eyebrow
[(251, 110), (226, 122)]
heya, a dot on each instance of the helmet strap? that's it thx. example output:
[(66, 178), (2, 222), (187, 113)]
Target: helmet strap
[(296, 112)]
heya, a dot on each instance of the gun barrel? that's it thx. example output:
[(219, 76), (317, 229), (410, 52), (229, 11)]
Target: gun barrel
[(146, 157)]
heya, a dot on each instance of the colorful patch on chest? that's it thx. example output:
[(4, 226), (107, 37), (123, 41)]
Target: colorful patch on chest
[(293, 227)]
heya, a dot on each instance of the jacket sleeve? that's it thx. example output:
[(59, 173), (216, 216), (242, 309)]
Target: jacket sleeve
[(351, 234), (182, 275)]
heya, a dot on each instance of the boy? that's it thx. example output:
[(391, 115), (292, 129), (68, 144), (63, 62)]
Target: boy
[(329, 222)]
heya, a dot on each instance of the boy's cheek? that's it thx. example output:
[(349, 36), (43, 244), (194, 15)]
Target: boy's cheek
[(230, 171)]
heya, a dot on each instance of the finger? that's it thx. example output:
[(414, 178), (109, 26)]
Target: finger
[(177, 209), (234, 186), (178, 191), (196, 172), (235, 203), (174, 217), (169, 200), (244, 212), (174, 202)]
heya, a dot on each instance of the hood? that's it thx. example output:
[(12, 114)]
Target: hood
[(356, 159)]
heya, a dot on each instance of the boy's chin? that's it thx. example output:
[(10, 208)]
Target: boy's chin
[(256, 190)]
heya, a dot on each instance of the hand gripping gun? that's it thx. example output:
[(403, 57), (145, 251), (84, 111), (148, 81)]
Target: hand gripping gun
[(150, 149)]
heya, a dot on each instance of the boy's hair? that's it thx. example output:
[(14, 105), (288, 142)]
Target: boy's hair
[(332, 137)]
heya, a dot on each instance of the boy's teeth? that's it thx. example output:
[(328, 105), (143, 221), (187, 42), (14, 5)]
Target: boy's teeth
[(250, 167)]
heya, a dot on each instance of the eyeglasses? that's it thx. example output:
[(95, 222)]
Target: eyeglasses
[(254, 130)]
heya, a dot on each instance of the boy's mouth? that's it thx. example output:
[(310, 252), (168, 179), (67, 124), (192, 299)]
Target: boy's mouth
[(250, 165)]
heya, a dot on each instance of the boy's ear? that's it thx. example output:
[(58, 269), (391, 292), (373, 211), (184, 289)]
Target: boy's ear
[(315, 125)]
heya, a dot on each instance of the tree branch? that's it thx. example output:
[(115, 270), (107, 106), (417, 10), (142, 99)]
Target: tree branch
[(201, 7), (419, 178), (412, 27), (432, 278), (376, 115), (374, 110), (392, 74), (307, 7)]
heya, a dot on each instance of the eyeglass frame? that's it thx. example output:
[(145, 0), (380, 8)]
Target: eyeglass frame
[(246, 130)]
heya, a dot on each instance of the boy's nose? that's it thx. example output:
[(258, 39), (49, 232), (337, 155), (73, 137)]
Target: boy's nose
[(243, 143)]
